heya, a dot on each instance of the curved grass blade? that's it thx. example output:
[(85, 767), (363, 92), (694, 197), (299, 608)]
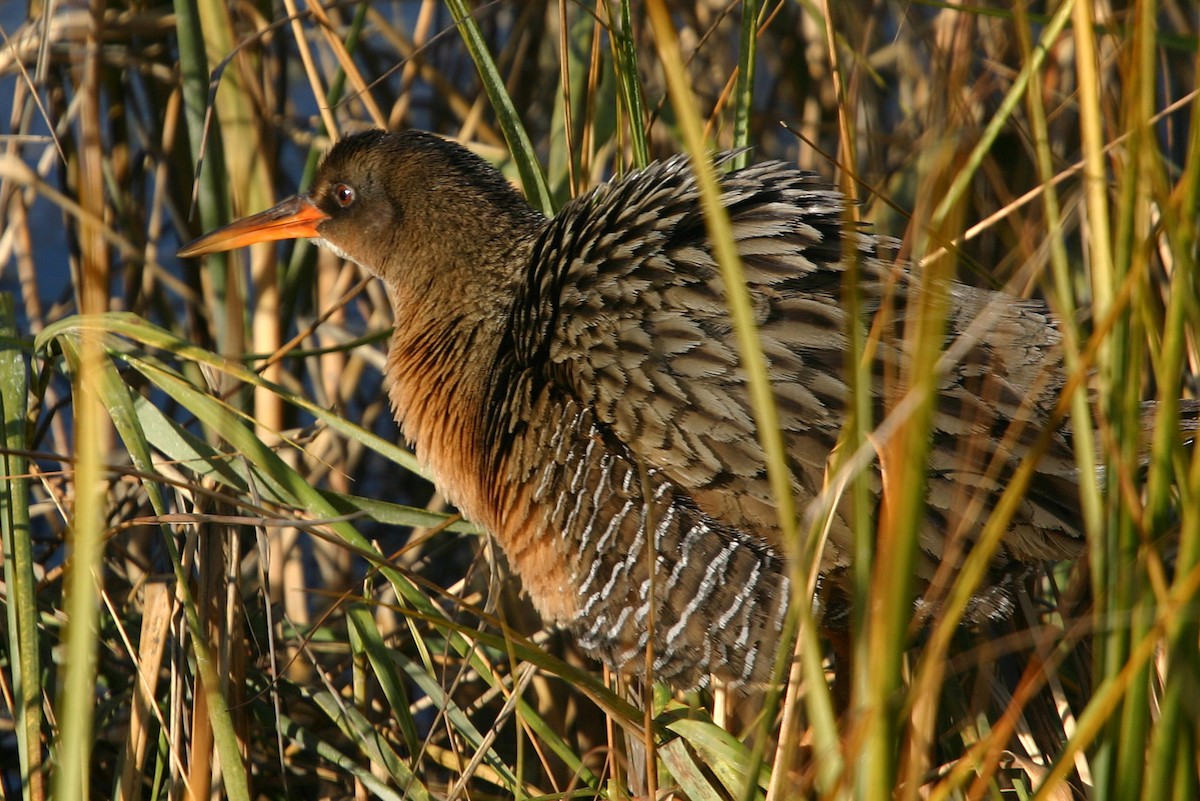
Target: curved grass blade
[(532, 178)]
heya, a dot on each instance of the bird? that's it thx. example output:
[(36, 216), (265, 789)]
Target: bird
[(574, 386)]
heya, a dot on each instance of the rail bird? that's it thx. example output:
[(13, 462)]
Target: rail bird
[(574, 386)]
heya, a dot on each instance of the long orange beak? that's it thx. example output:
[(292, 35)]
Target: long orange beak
[(292, 219)]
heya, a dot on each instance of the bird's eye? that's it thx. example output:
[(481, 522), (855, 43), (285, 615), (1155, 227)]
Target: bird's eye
[(343, 195)]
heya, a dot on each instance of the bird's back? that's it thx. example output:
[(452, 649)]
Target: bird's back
[(619, 380)]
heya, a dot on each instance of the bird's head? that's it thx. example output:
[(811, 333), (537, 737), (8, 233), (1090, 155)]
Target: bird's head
[(406, 206)]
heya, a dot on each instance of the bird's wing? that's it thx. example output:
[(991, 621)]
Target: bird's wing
[(625, 308)]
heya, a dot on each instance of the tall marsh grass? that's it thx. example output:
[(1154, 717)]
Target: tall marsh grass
[(224, 578)]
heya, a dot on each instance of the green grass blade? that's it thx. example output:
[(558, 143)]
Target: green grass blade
[(20, 582), (1002, 116), (728, 758), (371, 742), (309, 741), (762, 398), (743, 101), (365, 637), (687, 771), (630, 82), (81, 602), (102, 381), (139, 330), (533, 179)]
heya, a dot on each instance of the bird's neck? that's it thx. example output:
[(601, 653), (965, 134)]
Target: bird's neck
[(440, 366)]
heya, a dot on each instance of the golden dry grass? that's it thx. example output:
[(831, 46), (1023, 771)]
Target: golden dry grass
[(219, 571)]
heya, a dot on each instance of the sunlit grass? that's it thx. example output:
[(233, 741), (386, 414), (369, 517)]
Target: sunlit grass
[(220, 568)]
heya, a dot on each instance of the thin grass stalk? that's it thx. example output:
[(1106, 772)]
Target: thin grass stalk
[(1108, 695), (1104, 554), (255, 307), (902, 468), (211, 199), (376, 787), (903, 462), (76, 701), (1128, 596), (1166, 448), (521, 679), (1063, 300), (309, 67), (574, 104), (1063, 296), (366, 638), (721, 235), (346, 67), (822, 718), (984, 757), (859, 423), (588, 138), (327, 287), (122, 411), (863, 681), (883, 556), (19, 580), (626, 64), (965, 173), (359, 678), (1175, 737), (113, 395), (147, 659), (366, 645), (741, 312), (564, 78), (533, 180), (211, 202), (337, 86), (251, 189), (858, 371), (1134, 243), (786, 668), (807, 651), (975, 565), (298, 274), (743, 101), (616, 708)]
